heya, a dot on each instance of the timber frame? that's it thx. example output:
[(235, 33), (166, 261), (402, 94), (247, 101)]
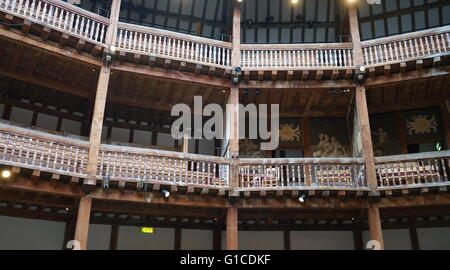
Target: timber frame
[(92, 178)]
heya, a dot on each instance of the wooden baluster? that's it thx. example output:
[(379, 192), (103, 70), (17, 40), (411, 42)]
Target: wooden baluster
[(427, 45)]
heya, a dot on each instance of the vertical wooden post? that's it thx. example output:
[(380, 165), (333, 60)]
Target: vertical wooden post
[(217, 238), (82, 225), (374, 221), (185, 145), (413, 234), (232, 228), (287, 239), (366, 138), (357, 236), (100, 99), (445, 123), (361, 102), (114, 236), (69, 232), (177, 240)]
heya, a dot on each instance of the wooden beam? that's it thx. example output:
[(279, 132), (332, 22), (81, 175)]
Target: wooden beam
[(374, 221), (232, 228), (82, 225)]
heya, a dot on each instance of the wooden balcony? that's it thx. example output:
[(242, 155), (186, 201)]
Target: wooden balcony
[(413, 170), (430, 43), (146, 45), (120, 166)]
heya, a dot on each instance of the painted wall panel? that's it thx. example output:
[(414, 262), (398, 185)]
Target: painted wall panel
[(99, 237)]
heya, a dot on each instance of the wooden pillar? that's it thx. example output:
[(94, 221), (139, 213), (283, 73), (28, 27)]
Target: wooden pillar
[(445, 123), (374, 221), (361, 102), (82, 225), (7, 112), (287, 239), (69, 232), (100, 99), (366, 138), (114, 236), (232, 228), (358, 237), (413, 234), (217, 239), (185, 145), (177, 241)]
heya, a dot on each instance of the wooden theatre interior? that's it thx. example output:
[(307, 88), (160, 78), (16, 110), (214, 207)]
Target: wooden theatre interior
[(86, 151)]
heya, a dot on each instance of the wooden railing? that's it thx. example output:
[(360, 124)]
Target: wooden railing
[(300, 56), (37, 150), (33, 149), (424, 169), (60, 16), (172, 45), (406, 47), (302, 173), (144, 165)]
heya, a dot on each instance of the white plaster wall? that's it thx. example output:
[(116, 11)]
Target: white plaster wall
[(46, 121), (99, 236), (196, 239), (32, 234), (20, 115), (333, 240), (434, 238), (71, 126), (130, 238)]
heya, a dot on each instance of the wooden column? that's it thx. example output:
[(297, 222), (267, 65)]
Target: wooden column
[(374, 221), (361, 102), (287, 239), (114, 237), (366, 138), (69, 232), (445, 123), (358, 237), (100, 99), (82, 225), (232, 228), (217, 239), (177, 240), (185, 145), (413, 234)]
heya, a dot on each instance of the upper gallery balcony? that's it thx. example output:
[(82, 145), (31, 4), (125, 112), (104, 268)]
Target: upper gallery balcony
[(304, 41)]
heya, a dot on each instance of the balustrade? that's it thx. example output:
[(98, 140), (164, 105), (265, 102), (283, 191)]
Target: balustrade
[(425, 169), (170, 45), (299, 56), (407, 46), (346, 173), (60, 16)]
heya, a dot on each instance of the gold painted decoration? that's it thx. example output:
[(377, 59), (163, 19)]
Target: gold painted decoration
[(422, 124)]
